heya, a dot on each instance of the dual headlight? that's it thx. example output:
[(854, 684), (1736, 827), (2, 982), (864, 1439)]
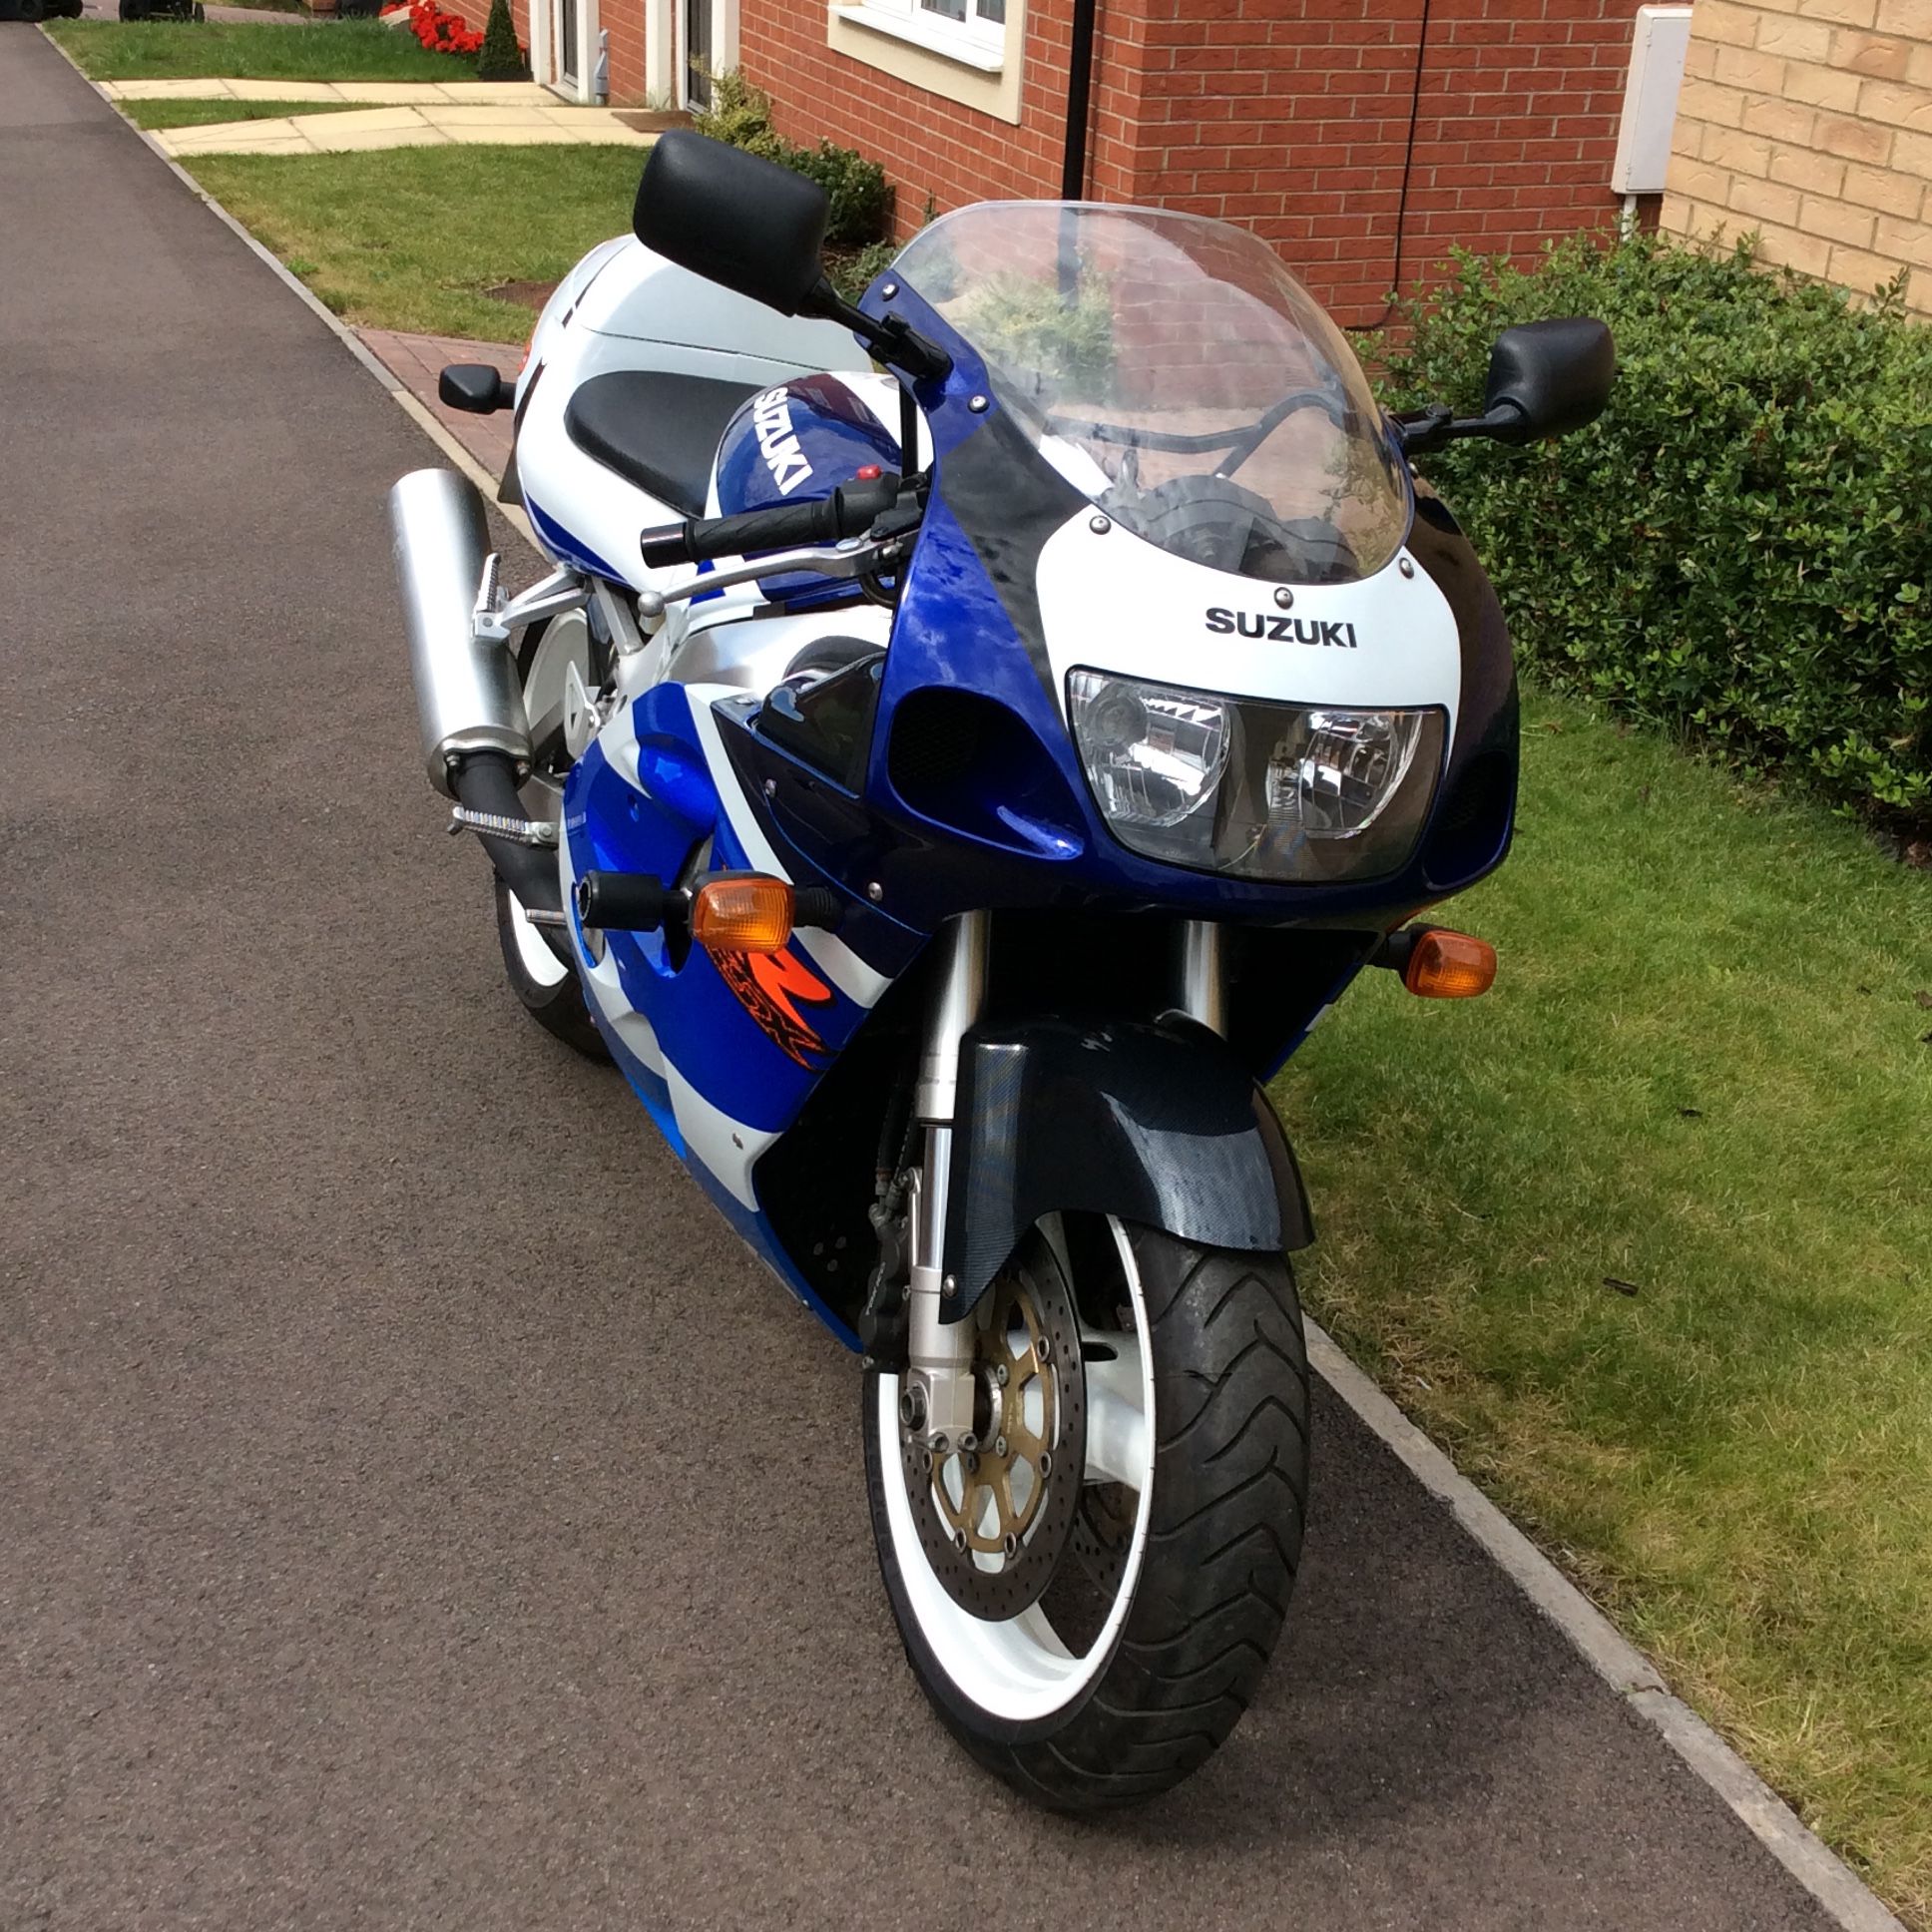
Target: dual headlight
[(1309, 792)]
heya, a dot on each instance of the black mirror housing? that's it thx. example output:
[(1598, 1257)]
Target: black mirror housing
[(478, 387), (1548, 378), (734, 217)]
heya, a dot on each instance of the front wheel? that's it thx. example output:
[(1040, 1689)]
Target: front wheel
[(549, 989), (1188, 1423)]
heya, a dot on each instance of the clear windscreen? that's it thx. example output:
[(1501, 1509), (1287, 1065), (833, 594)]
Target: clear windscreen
[(1173, 369)]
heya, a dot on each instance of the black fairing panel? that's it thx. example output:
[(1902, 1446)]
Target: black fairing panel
[(1160, 1124), (1469, 830)]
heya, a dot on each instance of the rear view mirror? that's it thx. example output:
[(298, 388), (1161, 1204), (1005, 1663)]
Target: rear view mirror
[(1548, 378), (734, 217)]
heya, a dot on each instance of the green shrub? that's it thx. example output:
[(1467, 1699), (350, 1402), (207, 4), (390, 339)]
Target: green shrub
[(1070, 342), (859, 211), (1741, 549), (500, 58), (852, 274), (739, 115), (860, 202)]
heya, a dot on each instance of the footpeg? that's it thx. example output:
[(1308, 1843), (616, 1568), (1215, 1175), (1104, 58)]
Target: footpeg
[(496, 824)]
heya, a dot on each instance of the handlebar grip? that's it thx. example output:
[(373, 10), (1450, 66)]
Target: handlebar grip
[(849, 511)]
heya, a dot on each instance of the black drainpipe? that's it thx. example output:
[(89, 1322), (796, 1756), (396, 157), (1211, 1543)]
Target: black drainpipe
[(1080, 80)]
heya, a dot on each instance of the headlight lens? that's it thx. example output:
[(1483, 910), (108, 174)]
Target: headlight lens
[(1307, 792)]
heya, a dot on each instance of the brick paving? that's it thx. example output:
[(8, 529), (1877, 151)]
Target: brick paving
[(416, 361)]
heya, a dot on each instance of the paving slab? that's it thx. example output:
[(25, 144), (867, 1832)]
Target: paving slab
[(507, 93), (456, 115), (218, 90), (502, 92), (349, 141), (268, 137), (432, 124), (402, 1502), (541, 133)]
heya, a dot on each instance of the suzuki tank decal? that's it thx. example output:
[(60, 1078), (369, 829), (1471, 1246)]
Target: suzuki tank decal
[(779, 441)]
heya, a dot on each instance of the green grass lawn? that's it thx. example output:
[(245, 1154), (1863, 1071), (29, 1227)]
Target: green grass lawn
[(410, 238), (195, 114), (1644, 1235), (168, 50)]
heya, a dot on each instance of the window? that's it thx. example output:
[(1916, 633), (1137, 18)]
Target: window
[(961, 50), (970, 31), (967, 12)]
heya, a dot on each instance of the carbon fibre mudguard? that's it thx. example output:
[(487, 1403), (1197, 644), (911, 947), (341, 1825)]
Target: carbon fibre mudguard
[(1160, 1124)]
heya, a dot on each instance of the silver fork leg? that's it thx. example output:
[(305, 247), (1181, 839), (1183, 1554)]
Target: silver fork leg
[(1204, 979), (939, 1379)]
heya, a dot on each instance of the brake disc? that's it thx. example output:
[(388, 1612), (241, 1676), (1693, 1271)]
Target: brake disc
[(994, 1509)]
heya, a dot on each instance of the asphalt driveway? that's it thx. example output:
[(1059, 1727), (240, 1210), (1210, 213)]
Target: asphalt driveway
[(414, 1509)]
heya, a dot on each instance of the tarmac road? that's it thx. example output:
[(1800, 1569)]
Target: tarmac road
[(414, 1509)]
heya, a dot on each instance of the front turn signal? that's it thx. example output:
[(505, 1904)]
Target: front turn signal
[(1444, 965), (747, 913)]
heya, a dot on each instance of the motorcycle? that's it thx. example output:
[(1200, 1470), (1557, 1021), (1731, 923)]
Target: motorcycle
[(968, 737)]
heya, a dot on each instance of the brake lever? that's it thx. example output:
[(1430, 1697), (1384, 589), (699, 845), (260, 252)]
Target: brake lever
[(867, 556)]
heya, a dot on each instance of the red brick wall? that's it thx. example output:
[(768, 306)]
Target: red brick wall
[(623, 20), (930, 147), (1290, 117)]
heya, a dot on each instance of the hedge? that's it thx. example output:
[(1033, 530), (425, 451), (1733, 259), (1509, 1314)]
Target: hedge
[(1739, 549)]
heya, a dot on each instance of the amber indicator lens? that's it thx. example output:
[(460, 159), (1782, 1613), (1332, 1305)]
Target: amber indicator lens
[(1447, 965), (746, 914)]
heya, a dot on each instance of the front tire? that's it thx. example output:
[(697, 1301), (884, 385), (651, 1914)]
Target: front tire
[(551, 991), (1200, 1579)]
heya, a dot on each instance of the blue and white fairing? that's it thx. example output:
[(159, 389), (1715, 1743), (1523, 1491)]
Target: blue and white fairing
[(1312, 576)]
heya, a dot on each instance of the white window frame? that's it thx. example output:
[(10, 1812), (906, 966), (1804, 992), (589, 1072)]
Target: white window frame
[(979, 63), (973, 41)]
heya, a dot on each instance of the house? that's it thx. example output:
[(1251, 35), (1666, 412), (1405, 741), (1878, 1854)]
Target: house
[(1365, 138), (1810, 122)]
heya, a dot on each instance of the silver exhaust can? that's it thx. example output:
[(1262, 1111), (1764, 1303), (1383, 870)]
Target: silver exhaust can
[(468, 696)]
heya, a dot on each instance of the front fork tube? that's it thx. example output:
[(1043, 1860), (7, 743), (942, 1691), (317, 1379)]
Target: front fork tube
[(938, 1397), (1204, 975)]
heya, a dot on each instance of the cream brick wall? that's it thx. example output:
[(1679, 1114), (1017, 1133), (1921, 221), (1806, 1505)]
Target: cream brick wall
[(1811, 121)]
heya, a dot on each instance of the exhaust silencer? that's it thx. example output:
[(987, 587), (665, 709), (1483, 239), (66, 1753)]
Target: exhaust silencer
[(468, 698)]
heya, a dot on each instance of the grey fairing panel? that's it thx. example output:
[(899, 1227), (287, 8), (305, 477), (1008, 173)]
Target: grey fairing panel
[(1160, 1124)]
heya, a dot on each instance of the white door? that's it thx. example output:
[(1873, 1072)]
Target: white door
[(563, 50)]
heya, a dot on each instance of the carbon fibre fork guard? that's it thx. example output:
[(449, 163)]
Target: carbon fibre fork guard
[(1160, 1124)]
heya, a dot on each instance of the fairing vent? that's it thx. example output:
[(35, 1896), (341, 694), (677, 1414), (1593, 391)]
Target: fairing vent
[(972, 768), (1471, 829)]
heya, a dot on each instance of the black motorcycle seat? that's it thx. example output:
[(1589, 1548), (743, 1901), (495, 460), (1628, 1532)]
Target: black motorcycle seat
[(658, 428)]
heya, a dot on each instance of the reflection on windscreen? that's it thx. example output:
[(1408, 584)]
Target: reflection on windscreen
[(1176, 372)]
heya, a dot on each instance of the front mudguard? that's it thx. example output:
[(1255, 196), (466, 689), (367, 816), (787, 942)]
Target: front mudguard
[(1160, 1124)]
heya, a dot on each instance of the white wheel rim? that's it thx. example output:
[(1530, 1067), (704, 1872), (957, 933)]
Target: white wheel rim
[(565, 642), (535, 955), (1020, 1670)]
